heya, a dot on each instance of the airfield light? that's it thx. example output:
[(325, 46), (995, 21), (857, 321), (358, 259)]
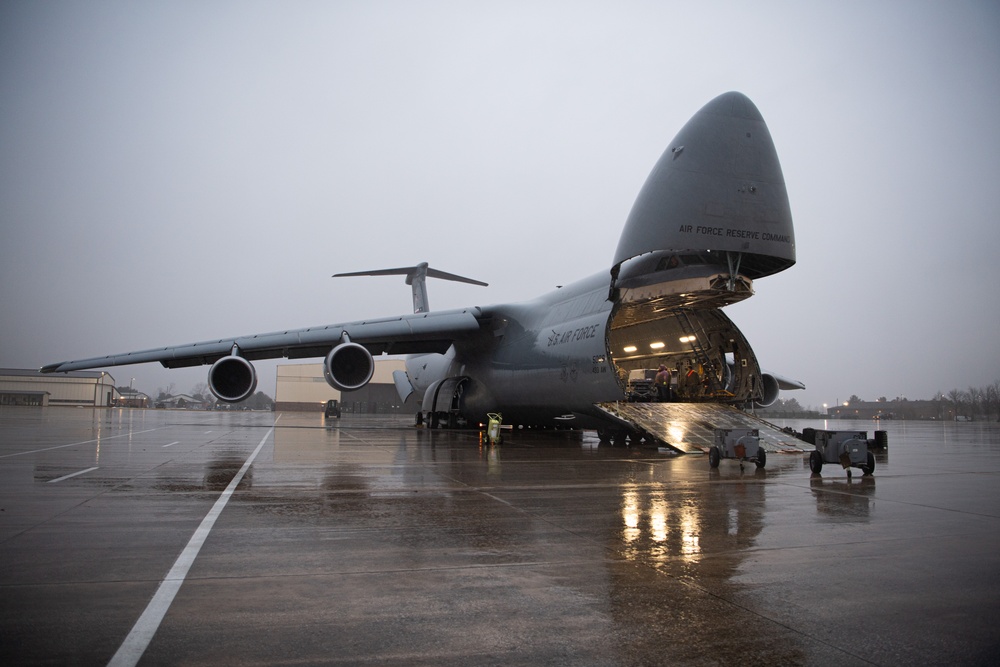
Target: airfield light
[(657, 346), (629, 348)]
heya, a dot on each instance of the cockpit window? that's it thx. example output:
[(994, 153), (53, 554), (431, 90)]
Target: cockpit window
[(665, 263)]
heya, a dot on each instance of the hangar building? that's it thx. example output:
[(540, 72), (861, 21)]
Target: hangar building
[(299, 387), (302, 387), (91, 389)]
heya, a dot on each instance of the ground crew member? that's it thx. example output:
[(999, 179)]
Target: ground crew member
[(692, 382), (662, 382)]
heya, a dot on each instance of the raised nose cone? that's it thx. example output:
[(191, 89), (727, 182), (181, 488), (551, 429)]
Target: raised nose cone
[(718, 188)]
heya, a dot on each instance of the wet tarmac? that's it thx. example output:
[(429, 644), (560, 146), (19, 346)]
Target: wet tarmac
[(369, 541)]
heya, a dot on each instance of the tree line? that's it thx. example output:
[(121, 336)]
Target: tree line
[(200, 392), (976, 403)]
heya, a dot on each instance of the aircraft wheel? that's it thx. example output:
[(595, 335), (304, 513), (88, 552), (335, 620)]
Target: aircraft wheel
[(870, 468), (713, 457), (815, 461), (761, 458)]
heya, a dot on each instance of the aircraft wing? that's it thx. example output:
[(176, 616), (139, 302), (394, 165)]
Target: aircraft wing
[(786, 384), (407, 334)]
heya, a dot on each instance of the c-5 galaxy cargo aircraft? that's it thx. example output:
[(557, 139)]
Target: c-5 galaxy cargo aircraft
[(712, 217)]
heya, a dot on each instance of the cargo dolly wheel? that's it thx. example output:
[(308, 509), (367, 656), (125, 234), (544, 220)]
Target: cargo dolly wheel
[(713, 457), (870, 468), (815, 461), (761, 458)]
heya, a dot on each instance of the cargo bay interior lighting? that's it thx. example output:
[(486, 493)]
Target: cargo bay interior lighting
[(657, 346), (629, 348)]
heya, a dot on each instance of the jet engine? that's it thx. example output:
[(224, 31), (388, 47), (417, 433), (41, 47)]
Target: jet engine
[(769, 390), (348, 366), (232, 379)]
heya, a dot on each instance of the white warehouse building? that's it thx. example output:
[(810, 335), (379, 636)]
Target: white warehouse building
[(91, 389), (302, 387)]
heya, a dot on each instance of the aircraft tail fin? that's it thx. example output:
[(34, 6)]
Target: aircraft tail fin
[(416, 277)]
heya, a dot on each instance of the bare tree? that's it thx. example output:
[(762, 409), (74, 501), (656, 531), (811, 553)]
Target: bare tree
[(955, 399), (975, 401), (993, 399)]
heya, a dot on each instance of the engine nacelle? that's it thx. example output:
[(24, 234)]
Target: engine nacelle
[(769, 389), (232, 379), (348, 366)]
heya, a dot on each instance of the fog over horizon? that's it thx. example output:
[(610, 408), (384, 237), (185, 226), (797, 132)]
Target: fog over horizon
[(177, 172)]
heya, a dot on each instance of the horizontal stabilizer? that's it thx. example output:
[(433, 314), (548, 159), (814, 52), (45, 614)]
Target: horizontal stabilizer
[(416, 277), (412, 271)]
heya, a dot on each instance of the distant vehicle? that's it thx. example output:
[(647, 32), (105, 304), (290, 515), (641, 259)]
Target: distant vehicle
[(332, 410), (712, 217)]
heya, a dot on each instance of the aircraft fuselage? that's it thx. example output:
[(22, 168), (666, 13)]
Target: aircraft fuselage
[(550, 360)]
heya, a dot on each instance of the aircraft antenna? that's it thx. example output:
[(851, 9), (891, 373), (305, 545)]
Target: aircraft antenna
[(416, 277)]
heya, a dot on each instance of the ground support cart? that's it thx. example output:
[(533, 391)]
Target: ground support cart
[(737, 443), (848, 448)]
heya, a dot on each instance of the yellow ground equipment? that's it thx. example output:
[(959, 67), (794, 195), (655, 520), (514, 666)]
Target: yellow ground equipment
[(493, 428)]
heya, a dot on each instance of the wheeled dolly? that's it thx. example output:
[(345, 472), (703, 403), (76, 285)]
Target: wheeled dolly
[(742, 444), (848, 448)]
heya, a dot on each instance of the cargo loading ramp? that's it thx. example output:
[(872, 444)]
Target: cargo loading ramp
[(690, 427)]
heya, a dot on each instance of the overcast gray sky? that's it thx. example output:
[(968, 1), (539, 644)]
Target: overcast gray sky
[(177, 171)]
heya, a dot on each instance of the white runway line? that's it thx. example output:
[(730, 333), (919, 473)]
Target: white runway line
[(176, 442), (72, 474), (138, 639), (74, 444)]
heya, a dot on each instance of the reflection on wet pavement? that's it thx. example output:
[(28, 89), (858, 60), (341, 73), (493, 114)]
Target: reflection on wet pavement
[(369, 540)]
